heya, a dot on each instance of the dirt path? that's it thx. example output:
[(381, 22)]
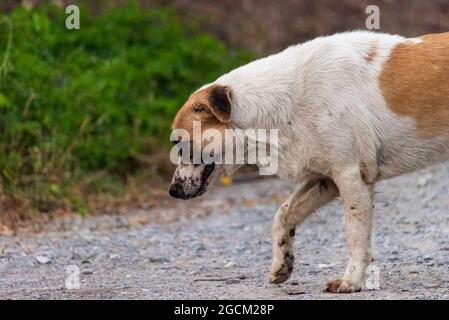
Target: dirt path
[(223, 250)]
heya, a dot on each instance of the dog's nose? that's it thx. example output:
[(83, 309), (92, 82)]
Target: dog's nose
[(176, 191)]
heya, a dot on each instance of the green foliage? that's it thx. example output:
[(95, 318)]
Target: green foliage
[(74, 102)]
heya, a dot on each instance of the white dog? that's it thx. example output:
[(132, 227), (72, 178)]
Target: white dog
[(351, 109)]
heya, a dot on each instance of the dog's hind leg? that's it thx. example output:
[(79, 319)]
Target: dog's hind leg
[(358, 199), (309, 196)]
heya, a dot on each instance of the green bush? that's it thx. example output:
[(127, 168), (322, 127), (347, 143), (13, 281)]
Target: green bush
[(74, 102)]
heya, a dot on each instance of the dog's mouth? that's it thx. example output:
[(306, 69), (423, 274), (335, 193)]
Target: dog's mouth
[(205, 179), (177, 191)]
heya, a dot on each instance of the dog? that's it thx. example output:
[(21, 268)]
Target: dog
[(351, 109)]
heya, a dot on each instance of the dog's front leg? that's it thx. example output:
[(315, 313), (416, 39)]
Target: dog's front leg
[(308, 197), (358, 205)]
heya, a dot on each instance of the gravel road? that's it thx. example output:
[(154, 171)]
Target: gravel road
[(219, 247)]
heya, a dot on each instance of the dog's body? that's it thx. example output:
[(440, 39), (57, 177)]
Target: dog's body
[(351, 109)]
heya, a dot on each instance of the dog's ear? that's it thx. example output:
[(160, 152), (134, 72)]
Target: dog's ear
[(220, 103)]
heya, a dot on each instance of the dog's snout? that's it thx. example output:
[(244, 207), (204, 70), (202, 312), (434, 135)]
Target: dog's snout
[(176, 191)]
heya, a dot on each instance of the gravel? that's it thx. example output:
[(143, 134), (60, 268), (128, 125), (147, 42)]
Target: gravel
[(219, 247)]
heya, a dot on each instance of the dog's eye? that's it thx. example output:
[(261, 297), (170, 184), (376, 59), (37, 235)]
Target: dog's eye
[(199, 108)]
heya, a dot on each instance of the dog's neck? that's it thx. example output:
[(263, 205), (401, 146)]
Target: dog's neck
[(264, 88), (270, 93)]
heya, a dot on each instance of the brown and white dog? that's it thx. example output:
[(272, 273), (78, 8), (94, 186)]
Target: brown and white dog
[(351, 109)]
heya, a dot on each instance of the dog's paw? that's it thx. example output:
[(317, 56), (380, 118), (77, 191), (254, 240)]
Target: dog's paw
[(342, 286), (283, 272)]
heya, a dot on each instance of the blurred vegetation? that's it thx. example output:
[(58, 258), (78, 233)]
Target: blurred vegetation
[(82, 111)]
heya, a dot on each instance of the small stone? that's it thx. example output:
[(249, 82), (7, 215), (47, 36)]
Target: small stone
[(424, 180), (393, 259), (230, 264), (421, 182), (199, 248), (43, 259), (158, 259), (294, 283), (232, 281), (87, 271), (293, 291)]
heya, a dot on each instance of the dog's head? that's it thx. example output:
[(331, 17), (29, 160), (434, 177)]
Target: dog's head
[(211, 108)]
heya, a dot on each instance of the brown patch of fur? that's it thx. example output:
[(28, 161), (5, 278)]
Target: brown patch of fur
[(415, 83)]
